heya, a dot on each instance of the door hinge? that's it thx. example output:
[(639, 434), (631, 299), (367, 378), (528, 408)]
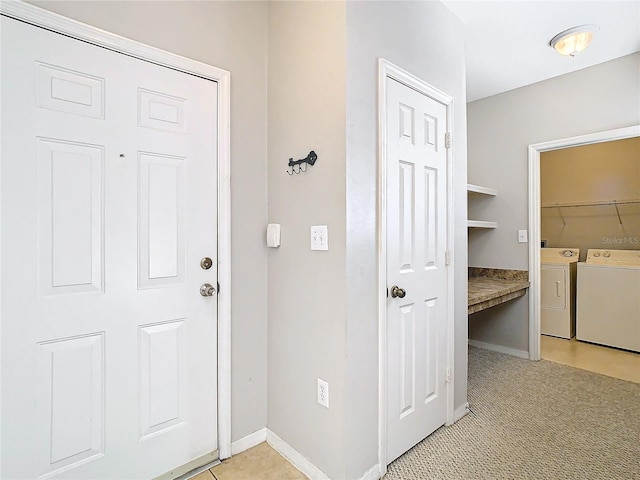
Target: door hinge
[(447, 140), (448, 375), (447, 257), (218, 284)]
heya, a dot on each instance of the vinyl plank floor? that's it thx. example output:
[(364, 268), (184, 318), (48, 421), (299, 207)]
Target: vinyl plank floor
[(595, 358)]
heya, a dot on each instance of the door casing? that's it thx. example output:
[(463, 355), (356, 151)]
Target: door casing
[(387, 70), (80, 31)]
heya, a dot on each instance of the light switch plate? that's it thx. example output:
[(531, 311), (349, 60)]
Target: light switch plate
[(319, 237)]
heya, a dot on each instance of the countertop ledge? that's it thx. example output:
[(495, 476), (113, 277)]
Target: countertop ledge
[(489, 287)]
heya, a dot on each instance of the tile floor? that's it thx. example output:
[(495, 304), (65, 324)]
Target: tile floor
[(595, 358), (258, 463)]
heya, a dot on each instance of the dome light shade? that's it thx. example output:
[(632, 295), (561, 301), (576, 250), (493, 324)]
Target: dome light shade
[(573, 41)]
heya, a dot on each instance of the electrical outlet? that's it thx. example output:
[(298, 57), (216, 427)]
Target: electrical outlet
[(323, 393), (522, 236), (319, 237)]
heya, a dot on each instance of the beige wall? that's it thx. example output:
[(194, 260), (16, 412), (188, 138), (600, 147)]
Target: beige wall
[(500, 128), (232, 36), (306, 289), (591, 173)]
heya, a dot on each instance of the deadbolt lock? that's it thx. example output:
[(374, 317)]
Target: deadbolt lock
[(206, 263)]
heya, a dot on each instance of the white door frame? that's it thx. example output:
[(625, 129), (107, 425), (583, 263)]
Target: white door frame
[(534, 216), (387, 70), (71, 28)]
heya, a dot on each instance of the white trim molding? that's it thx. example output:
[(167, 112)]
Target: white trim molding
[(372, 474), (249, 441), (534, 216), (299, 461), (500, 349), (461, 411), (295, 458), (87, 33), (387, 70)]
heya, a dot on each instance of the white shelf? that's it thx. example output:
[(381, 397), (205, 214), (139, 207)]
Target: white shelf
[(471, 188), (481, 224), (482, 190)]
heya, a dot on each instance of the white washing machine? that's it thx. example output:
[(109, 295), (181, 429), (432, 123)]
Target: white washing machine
[(558, 291), (609, 298)]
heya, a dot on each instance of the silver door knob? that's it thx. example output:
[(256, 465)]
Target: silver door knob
[(398, 292), (207, 290)]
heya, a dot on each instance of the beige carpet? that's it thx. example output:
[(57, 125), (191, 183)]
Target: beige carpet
[(533, 420)]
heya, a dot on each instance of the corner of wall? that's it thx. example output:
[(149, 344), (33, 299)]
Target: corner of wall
[(306, 289)]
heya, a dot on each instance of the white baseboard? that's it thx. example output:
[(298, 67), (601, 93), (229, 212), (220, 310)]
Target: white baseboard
[(296, 459), (293, 456), (373, 473), (460, 412), (500, 349), (251, 440)]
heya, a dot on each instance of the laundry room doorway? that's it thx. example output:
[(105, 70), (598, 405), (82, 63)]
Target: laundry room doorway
[(577, 209)]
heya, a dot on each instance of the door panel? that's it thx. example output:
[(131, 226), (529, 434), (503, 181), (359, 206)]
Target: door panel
[(430, 217), (67, 91), (71, 382), (161, 111), (407, 360), (406, 216), (416, 240), (161, 218), (162, 376), (431, 349), (108, 205), (70, 205)]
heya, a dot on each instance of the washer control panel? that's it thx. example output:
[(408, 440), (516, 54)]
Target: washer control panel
[(613, 257)]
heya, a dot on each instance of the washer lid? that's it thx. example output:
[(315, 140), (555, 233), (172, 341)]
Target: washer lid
[(559, 255), (623, 258)]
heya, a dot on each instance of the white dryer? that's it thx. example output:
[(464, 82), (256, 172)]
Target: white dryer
[(558, 291), (609, 298)]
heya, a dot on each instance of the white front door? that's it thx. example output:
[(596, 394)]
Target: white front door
[(108, 206), (416, 245)]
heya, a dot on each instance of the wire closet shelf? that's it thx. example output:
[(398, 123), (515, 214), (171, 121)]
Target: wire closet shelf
[(614, 203)]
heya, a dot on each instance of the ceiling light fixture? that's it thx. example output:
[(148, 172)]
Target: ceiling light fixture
[(573, 41)]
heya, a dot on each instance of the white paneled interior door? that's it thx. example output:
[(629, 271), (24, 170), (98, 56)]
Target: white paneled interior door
[(416, 245), (109, 203)]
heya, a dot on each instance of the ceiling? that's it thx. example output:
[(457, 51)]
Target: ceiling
[(508, 41)]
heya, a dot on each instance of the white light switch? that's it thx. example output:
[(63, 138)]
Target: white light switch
[(319, 237), (522, 236)]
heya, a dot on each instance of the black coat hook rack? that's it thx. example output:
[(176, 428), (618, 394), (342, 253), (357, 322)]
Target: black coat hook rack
[(303, 162)]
